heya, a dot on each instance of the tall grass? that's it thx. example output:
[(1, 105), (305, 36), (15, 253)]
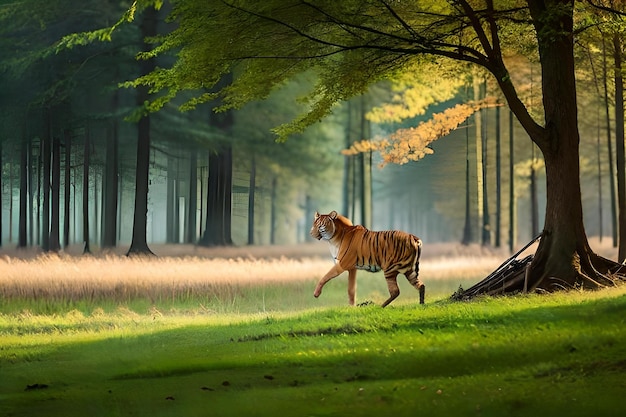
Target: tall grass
[(228, 281)]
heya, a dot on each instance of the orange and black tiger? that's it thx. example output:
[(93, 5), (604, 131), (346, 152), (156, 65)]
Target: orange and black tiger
[(355, 247)]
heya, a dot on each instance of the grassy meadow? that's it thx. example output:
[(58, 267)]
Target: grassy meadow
[(238, 333)]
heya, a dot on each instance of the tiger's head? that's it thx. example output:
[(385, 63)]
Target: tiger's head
[(326, 225)]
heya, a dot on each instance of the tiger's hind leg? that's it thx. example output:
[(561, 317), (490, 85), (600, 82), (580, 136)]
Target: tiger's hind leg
[(392, 285), (413, 278)]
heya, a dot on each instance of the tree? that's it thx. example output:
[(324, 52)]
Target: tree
[(352, 45), (139, 244)]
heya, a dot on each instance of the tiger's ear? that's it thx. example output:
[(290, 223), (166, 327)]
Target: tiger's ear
[(333, 214), (317, 215)]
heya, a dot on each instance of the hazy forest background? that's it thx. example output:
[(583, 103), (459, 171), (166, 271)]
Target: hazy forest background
[(69, 141)]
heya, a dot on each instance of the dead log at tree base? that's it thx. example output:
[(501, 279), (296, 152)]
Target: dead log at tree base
[(513, 275), (510, 277)]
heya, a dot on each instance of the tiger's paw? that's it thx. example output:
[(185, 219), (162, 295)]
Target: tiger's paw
[(365, 303)]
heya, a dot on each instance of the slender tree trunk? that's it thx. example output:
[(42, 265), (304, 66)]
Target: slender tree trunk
[(31, 194), (110, 190), (486, 221), (21, 242), (251, 194), (467, 228), (139, 243), (347, 165), (534, 200), (273, 214), (607, 116), (68, 173), (86, 162), (171, 220), (478, 125), (55, 245), (45, 228), (619, 147), (498, 242), (512, 199), (192, 206)]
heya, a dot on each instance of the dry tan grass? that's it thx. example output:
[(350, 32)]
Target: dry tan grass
[(186, 271)]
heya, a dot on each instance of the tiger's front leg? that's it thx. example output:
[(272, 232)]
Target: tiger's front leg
[(351, 286), (334, 271)]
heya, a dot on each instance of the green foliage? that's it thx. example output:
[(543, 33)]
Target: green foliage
[(527, 355)]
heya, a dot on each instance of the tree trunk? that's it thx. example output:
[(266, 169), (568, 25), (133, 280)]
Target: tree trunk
[(139, 244), (607, 117), (478, 133), (619, 147), (251, 194), (498, 213), (512, 199), (55, 245), (68, 173), (110, 189), (21, 242), (192, 206), (273, 213), (467, 228), (86, 155), (45, 228)]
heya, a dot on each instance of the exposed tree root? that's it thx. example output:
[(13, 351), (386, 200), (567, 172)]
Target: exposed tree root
[(591, 271)]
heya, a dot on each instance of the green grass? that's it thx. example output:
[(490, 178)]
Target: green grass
[(562, 354)]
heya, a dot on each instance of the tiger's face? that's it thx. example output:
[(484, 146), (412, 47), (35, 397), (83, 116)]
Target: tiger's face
[(324, 226)]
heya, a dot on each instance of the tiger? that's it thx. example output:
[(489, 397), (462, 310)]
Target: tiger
[(355, 247)]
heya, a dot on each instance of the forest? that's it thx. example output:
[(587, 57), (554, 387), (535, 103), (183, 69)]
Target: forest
[(73, 133)]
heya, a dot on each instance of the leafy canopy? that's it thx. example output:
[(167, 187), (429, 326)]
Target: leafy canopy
[(349, 44)]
